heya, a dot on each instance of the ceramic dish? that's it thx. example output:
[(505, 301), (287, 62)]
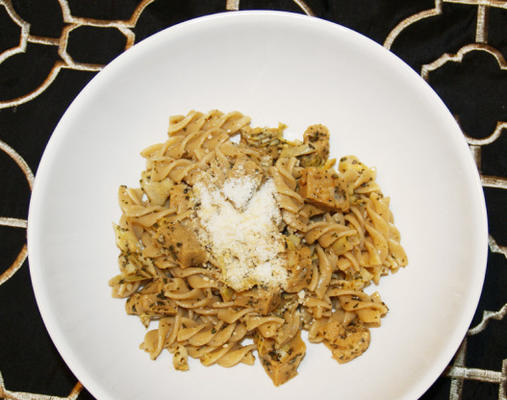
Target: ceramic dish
[(274, 67)]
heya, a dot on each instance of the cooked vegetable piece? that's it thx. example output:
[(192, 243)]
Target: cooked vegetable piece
[(183, 244), (318, 186), (261, 300), (280, 363), (346, 339), (317, 137), (267, 140), (350, 343)]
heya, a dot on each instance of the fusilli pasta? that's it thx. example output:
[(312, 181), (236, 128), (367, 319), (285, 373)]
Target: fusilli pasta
[(334, 235)]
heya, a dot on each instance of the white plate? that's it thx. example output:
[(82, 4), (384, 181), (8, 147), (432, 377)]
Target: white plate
[(274, 67)]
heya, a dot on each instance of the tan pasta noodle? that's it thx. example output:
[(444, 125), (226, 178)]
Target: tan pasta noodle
[(313, 239)]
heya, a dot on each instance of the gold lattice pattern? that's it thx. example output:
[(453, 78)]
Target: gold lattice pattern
[(457, 372)]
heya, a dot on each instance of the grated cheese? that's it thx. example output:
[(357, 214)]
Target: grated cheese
[(240, 227), (301, 296), (239, 190)]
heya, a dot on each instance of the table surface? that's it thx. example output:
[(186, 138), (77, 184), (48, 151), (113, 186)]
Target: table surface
[(50, 49)]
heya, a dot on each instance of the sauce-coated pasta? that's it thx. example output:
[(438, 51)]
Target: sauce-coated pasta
[(308, 239)]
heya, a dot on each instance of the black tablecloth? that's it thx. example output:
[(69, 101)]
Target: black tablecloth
[(50, 49)]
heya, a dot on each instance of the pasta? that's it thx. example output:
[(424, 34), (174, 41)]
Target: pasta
[(232, 248)]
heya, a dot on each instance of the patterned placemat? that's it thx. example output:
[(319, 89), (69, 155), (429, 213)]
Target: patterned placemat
[(50, 49)]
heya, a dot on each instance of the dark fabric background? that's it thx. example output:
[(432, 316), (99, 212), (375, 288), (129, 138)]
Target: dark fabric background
[(475, 90)]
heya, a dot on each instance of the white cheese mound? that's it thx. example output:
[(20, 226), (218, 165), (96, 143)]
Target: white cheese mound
[(243, 238), (239, 190)]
